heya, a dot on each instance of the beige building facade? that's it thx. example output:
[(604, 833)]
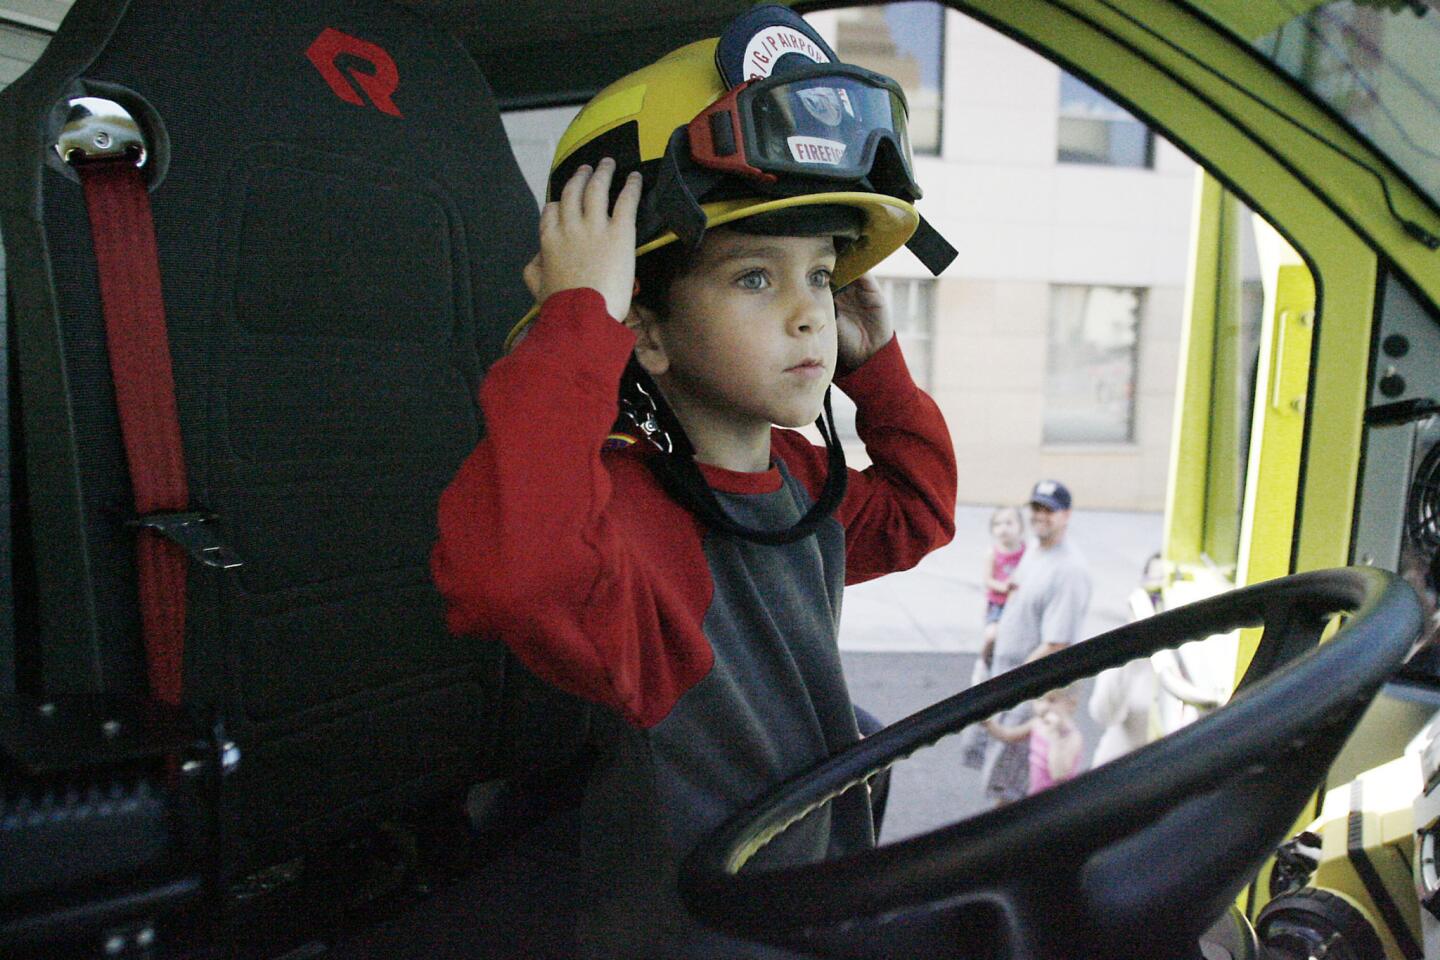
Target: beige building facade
[(1034, 232)]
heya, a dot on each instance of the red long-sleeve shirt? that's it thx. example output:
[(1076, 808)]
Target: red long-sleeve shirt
[(582, 562), (717, 656)]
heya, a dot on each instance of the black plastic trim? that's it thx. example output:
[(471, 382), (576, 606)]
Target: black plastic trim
[(66, 601), (7, 552)]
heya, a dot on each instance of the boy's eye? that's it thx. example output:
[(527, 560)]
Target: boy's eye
[(821, 277), (754, 280)]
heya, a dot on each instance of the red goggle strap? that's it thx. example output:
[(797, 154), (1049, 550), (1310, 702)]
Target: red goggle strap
[(717, 138)]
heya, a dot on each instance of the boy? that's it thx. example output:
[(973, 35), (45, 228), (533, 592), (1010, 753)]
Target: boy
[(688, 575)]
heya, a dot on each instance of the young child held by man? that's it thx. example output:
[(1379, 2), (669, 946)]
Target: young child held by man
[(1007, 547), (642, 525)]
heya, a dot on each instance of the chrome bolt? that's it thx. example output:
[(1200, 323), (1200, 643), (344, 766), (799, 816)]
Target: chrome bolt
[(145, 938), (47, 709), (111, 729), (114, 945), (102, 139)]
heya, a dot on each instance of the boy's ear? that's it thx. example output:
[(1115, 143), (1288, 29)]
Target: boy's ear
[(649, 342)]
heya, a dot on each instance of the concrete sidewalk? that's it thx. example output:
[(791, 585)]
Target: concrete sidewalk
[(939, 606)]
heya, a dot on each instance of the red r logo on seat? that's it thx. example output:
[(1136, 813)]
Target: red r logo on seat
[(378, 86)]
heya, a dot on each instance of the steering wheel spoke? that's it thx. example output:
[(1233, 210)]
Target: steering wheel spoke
[(1290, 632)]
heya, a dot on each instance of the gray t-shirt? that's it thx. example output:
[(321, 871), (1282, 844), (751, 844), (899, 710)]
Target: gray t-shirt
[(774, 704), (1048, 605)]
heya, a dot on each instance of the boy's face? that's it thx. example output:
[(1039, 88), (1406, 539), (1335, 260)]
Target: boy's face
[(750, 336)]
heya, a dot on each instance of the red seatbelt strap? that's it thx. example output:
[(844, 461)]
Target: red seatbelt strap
[(123, 231)]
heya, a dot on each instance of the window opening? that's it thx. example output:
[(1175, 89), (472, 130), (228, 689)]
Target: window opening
[(1091, 362)]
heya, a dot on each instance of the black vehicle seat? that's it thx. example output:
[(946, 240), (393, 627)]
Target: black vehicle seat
[(340, 263)]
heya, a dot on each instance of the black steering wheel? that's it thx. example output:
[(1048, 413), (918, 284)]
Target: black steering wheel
[(1134, 859)]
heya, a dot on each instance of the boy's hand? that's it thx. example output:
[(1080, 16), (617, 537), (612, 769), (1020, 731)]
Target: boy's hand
[(862, 323), (582, 244)]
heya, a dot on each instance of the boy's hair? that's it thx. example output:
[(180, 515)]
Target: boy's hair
[(657, 271)]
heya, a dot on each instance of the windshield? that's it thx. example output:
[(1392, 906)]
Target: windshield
[(1374, 62)]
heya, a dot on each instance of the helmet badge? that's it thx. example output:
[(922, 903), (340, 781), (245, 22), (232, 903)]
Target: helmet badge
[(767, 47), (765, 38)]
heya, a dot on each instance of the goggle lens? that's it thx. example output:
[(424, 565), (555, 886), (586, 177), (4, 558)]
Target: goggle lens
[(823, 126)]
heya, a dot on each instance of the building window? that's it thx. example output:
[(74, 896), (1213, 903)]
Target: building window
[(905, 41), (912, 310), (533, 136), (1090, 364), (1094, 129)]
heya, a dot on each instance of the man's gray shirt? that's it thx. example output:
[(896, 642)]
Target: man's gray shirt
[(1048, 605)]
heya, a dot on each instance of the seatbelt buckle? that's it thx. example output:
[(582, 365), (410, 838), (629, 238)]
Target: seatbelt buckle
[(100, 129), (194, 531)]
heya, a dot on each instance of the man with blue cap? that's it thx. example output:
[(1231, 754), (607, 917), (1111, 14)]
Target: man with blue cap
[(1045, 612)]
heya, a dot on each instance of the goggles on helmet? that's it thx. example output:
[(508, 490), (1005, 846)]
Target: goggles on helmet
[(827, 122)]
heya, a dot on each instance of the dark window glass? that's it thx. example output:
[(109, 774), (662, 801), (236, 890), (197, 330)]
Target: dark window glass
[(1377, 64)]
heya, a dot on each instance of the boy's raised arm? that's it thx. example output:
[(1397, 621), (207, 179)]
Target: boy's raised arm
[(583, 244), (526, 548), (521, 525), (902, 506)]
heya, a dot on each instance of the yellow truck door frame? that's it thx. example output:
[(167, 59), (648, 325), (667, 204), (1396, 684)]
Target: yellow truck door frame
[(1294, 164), (1289, 160)]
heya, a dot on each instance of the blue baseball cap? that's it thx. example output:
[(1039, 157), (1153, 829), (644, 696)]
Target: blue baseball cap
[(1051, 494)]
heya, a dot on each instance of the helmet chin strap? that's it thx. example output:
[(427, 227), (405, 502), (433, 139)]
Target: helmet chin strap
[(680, 474)]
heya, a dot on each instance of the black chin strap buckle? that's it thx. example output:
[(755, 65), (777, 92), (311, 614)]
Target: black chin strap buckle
[(638, 403)]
